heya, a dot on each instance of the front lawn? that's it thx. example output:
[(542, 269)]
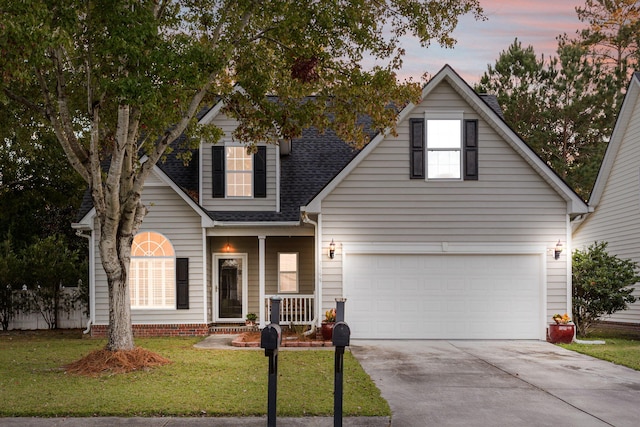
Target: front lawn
[(621, 347), (197, 383)]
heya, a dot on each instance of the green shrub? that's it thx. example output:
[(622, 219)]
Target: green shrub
[(51, 267), (9, 282), (600, 285)]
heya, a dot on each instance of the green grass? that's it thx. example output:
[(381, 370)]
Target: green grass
[(197, 383), (621, 347)]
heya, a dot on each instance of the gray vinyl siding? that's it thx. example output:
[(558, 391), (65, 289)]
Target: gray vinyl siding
[(171, 216), (510, 203), (616, 219), (222, 204)]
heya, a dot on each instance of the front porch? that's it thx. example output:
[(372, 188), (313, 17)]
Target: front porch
[(247, 271), (294, 310)]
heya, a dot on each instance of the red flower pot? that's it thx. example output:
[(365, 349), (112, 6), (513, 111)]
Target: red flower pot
[(327, 330), (559, 333)]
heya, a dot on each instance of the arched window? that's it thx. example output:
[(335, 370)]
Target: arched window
[(152, 272)]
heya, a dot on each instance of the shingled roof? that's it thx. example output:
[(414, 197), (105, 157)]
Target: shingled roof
[(315, 159)]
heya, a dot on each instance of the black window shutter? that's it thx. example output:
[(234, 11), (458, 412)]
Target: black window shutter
[(218, 171), (471, 150), (260, 172), (182, 283), (416, 129)]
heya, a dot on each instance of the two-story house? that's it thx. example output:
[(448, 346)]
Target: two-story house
[(447, 230)]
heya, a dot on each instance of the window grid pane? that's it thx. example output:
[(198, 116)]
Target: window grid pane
[(239, 171), (444, 134), (444, 164), (152, 272), (444, 149), (288, 282), (288, 272)]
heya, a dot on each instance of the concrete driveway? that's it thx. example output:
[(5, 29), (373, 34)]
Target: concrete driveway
[(491, 383)]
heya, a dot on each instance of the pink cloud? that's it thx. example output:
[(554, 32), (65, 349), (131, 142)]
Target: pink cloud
[(536, 23)]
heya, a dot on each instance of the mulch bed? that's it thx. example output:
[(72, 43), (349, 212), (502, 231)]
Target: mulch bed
[(105, 361)]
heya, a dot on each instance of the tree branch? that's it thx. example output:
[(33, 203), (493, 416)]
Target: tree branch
[(24, 101), (75, 153)]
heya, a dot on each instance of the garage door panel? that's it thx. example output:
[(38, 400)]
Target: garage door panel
[(443, 296)]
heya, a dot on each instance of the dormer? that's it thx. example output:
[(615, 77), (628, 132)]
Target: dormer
[(234, 180)]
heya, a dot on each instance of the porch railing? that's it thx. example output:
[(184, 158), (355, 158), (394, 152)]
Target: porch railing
[(294, 309)]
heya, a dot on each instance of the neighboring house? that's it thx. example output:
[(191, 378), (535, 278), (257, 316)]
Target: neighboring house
[(615, 197), (447, 230)]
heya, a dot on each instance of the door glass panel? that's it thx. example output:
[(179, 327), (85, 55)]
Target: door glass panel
[(230, 288)]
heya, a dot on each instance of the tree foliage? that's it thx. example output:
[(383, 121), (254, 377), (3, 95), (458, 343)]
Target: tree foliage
[(600, 285), (50, 267), (562, 107), (120, 79), (9, 271), (565, 106), (517, 81), (39, 192), (46, 277), (612, 36)]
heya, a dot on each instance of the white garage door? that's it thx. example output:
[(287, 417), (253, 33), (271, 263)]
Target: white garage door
[(443, 296)]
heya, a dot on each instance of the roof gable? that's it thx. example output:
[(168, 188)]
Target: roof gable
[(485, 108), (622, 123)]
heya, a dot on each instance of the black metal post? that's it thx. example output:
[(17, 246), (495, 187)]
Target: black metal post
[(340, 340), (338, 391), (270, 341), (273, 387), (275, 310), (340, 309)]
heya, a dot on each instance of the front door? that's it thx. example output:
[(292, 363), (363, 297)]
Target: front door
[(230, 287)]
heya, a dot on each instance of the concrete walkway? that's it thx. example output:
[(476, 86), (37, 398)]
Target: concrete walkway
[(491, 383)]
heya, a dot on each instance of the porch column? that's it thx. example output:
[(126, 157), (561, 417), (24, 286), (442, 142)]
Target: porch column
[(261, 280)]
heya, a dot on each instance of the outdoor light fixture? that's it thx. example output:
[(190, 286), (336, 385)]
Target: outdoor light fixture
[(558, 250), (332, 249)]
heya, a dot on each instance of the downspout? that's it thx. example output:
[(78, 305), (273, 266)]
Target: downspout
[(318, 272), (81, 233)]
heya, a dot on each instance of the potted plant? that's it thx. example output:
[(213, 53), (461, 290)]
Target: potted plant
[(562, 331), (328, 324), (251, 319)]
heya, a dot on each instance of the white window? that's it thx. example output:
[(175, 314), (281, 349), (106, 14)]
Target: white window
[(152, 282), (239, 172), (287, 272), (444, 148)]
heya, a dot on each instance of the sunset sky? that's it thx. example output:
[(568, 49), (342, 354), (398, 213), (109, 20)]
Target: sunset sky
[(533, 22)]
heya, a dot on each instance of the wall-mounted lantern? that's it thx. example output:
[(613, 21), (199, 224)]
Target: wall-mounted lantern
[(558, 250), (332, 249)]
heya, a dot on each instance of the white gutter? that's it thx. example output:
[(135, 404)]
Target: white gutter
[(318, 272), (86, 331), (81, 231), (278, 178), (205, 278), (256, 224)]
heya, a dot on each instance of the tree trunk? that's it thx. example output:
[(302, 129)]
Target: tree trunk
[(120, 333), (56, 307), (116, 263)]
